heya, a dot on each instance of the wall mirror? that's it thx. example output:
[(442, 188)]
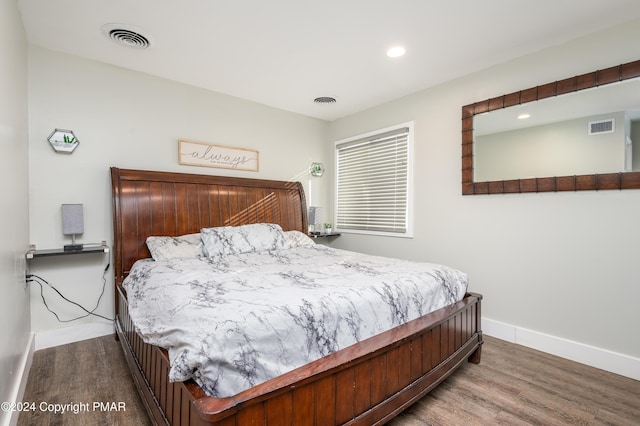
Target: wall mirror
[(581, 133)]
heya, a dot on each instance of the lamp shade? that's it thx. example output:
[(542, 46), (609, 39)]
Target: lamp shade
[(315, 217), (72, 219)]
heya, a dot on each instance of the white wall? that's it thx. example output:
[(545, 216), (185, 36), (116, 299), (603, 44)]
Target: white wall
[(558, 265), (15, 339), (131, 120)]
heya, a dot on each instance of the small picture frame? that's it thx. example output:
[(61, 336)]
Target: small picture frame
[(63, 141)]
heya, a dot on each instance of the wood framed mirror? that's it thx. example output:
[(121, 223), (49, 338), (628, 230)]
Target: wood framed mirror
[(624, 175)]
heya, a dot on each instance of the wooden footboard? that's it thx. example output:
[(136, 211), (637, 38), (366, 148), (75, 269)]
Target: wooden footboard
[(364, 384)]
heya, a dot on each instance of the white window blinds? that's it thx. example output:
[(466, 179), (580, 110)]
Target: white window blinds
[(373, 182)]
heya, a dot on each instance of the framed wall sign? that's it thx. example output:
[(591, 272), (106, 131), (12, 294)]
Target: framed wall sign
[(224, 157), (63, 141)]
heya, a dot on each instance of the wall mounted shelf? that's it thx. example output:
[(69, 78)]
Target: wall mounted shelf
[(333, 234), (93, 248)]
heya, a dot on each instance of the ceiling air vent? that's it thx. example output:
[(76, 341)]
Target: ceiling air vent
[(325, 100), (127, 35), (602, 126)]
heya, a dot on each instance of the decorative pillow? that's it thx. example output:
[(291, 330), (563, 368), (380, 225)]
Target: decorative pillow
[(184, 246), (298, 239), (227, 240)]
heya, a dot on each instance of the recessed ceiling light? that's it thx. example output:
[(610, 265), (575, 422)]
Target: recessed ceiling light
[(396, 52), (523, 116)]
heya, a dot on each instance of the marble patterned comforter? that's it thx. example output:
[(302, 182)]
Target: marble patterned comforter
[(236, 321)]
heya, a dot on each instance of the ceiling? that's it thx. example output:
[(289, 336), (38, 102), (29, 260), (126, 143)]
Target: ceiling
[(286, 53)]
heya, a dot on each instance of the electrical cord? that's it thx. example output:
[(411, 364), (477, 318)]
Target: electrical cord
[(39, 280)]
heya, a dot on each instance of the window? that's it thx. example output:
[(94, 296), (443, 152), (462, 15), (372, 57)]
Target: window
[(373, 182)]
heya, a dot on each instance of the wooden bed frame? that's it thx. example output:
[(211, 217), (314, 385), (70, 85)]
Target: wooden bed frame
[(364, 384)]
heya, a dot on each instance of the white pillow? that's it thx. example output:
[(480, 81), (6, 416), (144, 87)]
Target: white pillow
[(225, 240), (298, 239), (184, 246)]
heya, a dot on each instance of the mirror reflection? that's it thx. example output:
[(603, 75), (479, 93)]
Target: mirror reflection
[(592, 131)]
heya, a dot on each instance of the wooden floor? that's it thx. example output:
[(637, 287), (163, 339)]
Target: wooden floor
[(512, 385), (84, 372)]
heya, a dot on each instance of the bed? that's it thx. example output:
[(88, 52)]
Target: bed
[(366, 383)]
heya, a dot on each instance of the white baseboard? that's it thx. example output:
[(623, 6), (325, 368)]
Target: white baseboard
[(76, 333), (590, 355), (20, 384)]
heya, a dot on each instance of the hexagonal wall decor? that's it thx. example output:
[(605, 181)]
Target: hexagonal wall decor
[(63, 141)]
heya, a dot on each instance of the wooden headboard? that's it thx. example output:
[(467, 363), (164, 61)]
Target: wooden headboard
[(149, 203)]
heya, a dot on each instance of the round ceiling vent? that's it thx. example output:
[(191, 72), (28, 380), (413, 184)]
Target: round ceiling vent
[(127, 35), (325, 100)]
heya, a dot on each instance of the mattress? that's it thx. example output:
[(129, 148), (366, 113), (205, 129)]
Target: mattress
[(234, 321)]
